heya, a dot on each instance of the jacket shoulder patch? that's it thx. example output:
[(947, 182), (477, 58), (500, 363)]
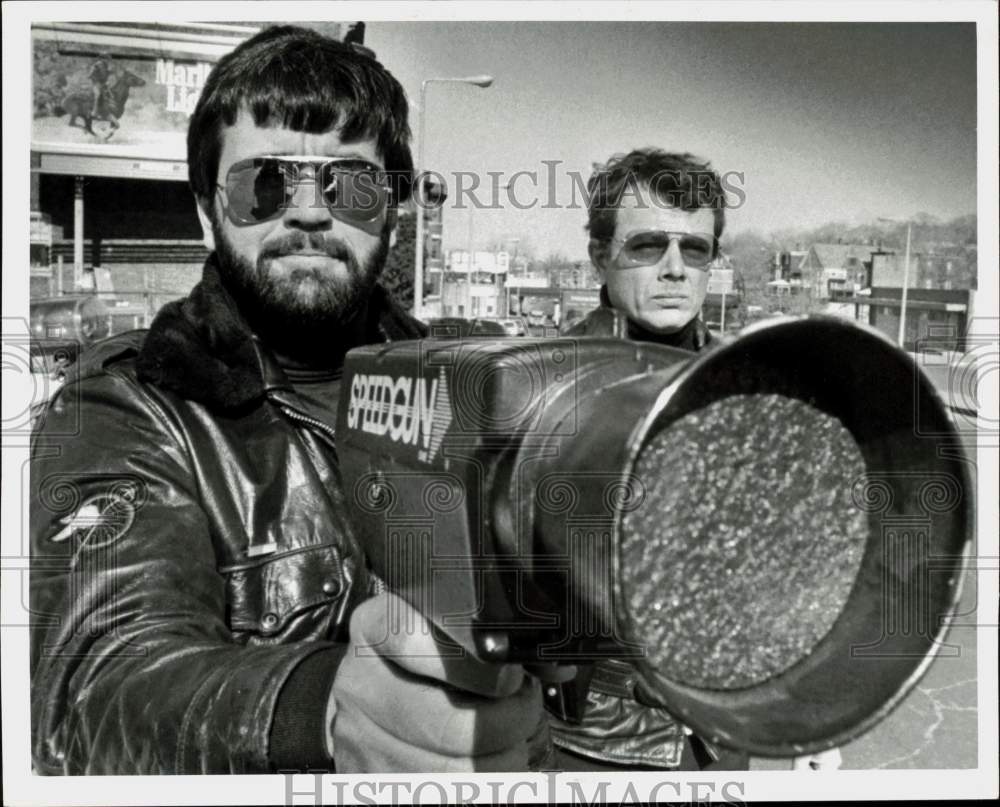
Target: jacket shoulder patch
[(102, 519)]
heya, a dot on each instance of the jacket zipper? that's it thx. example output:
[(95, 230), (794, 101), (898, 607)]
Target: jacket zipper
[(255, 551), (380, 586), (310, 421)]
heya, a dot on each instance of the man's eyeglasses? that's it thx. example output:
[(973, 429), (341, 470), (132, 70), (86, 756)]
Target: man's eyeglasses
[(261, 188), (648, 247)]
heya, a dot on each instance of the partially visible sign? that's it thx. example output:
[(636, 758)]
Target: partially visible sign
[(585, 299), (410, 410), (720, 281), (106, 103), (109, 90), (183, 83), (41, 228), (106, 90)]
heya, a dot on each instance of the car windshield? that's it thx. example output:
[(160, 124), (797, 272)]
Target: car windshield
[(486, 327)]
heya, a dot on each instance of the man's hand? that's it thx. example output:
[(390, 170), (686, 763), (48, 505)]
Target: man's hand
[(403, 703)]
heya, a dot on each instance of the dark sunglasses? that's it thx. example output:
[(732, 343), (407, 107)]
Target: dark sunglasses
[(261, 188), (649, 247)]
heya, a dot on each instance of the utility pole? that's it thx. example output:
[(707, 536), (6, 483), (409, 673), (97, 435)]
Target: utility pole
[(78, 185), (906, 279), (906, 284), (418, 258), (468, 277)]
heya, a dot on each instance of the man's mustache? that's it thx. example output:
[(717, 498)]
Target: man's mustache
[(299, 241)]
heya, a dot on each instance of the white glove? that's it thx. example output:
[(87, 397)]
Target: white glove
[(403, 703)]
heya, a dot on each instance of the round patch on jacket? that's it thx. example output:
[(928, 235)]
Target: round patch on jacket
[(101, 519)]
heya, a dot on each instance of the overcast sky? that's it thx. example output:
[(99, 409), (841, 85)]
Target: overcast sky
[(824, 121)]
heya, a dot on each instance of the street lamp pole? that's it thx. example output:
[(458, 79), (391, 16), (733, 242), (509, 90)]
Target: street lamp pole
[(511, 268), (418, 261), (906, 284), (468, 277), (513, 260), (906, 279)]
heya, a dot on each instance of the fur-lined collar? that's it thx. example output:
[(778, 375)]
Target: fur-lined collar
[(201, 347)]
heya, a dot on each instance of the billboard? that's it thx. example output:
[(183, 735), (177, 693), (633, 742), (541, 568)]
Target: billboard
[(111, 90)]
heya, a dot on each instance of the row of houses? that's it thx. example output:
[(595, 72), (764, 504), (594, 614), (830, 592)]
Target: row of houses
[(835, 271), (865, 282)]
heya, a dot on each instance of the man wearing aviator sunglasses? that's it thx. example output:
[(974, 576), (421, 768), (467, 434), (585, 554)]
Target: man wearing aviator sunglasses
[(231, 624), (655, 220), (260, 189)]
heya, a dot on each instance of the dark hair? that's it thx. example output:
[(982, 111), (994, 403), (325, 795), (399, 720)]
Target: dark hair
[(678, 180), (309, 83)]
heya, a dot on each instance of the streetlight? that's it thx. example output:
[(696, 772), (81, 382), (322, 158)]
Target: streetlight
[(511, 267), (906, 285), (512, 262), (469, 267), (418, 264), (906, 281)]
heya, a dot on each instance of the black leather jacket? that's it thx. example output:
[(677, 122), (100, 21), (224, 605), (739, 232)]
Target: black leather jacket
[(191, 565), (612, 725), (608, 321)]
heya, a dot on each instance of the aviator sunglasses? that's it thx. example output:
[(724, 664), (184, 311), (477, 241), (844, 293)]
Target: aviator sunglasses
[(261, 188), (649, 246)]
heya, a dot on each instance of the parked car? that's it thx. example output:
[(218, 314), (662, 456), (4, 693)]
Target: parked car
[(459, 328), (536, 317), (79, 318), (60, 328), (513, 326)]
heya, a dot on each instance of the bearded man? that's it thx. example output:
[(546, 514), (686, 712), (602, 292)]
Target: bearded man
[(200, 602)]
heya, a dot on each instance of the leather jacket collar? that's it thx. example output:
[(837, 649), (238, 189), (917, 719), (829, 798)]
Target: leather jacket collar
[(201, 347), (694, 336)]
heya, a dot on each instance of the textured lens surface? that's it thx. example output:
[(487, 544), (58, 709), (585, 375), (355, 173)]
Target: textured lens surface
[(747, 544)]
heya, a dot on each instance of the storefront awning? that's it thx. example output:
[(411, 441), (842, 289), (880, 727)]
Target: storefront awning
[(894, 302), (105, 165)]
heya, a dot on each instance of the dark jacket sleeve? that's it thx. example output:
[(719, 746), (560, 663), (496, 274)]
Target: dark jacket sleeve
[(134, 669)]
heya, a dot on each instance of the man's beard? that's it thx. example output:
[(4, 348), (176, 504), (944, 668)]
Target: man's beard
[(313, 329)]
